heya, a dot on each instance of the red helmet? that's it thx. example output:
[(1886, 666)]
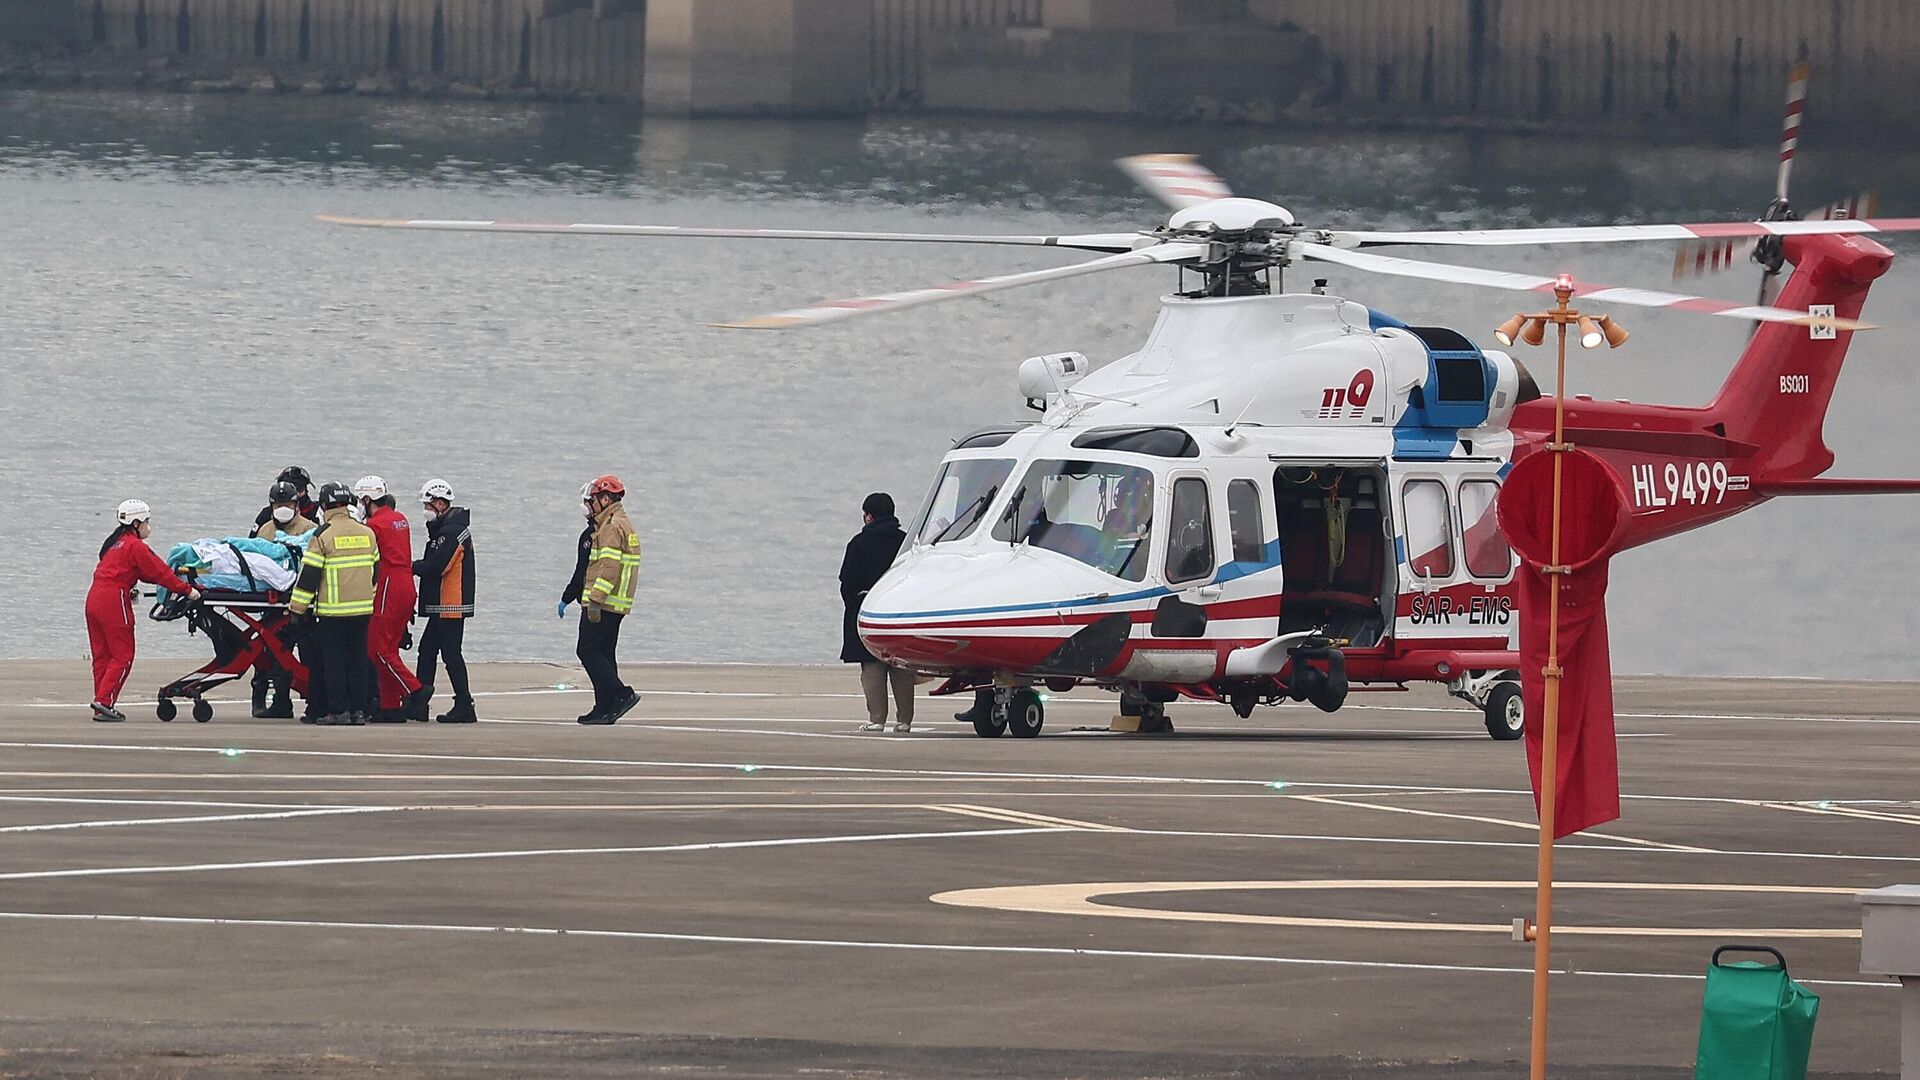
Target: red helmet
[(606, 485)]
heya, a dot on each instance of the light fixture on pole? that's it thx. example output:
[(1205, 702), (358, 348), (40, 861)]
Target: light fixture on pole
[(1532, 329)]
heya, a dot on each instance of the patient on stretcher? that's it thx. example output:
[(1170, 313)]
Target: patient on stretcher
[(240, 563)]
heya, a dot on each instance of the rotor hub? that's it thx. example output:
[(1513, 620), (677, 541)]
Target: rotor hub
[(1233, 215)]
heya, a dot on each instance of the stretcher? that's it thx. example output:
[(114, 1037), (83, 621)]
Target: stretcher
[(246, 627)]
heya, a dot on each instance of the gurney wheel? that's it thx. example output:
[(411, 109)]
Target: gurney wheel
[(166, 710), (202, 711)]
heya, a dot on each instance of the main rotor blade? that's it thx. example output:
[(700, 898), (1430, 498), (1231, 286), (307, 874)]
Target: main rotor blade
[(835, 310), (1179, 180), (1790, 127), (1087, 242), (1587, 291), (1620, 234)]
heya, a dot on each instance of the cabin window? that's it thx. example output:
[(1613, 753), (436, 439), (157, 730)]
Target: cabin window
[(1487, 553), (961, 497), (1190, 532), (1096, 512), (981, 440), (1429, 529), (1243, 522)]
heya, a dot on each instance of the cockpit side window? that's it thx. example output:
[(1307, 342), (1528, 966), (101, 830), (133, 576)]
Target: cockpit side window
[(1096, 512), (1190, 532), (961, 497)]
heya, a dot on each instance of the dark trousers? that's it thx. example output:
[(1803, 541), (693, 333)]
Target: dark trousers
[(598, 642), (343, 655), (441, 641)]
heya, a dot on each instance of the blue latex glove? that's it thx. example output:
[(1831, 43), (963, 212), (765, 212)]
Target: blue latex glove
[(561, 609)]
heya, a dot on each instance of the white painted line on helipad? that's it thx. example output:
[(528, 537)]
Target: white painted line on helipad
[(204, 819), (524, 853), (1081, 898), (906, 946), (161, 802), (1529, 826), (835, 771)]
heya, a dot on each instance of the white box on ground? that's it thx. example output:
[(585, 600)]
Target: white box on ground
[(1890, 945)]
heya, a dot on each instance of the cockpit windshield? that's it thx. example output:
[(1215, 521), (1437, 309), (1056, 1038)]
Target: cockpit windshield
[(1097, 512), (961, 497)]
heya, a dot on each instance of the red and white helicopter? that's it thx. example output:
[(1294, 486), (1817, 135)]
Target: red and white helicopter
[(1282, 495)]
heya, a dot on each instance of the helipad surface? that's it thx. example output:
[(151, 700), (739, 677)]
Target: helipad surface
[(733, 882)]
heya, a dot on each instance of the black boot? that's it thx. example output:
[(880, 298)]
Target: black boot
[(461, 713), (261, 684), (419, 703), (282, 706), (982, 707)]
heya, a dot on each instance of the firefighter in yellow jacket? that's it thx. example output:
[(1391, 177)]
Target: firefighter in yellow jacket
[(336, 584), (607, 585)]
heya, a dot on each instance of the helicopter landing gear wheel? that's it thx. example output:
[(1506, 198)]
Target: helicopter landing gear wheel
[(1506, 712), (1025, 713), (990, 721), (202, 710), (166, 710)]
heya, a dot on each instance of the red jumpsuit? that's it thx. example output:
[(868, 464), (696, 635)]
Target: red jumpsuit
[(393, 600), (110, 609)]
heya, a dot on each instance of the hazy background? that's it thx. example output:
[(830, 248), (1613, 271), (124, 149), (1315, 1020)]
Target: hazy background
[(174, 326)]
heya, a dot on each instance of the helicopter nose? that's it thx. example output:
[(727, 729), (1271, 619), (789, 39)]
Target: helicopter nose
[(939, 610)]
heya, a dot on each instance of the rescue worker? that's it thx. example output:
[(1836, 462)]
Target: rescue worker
[(285, 515), (445, 570), (608, 582), (125, 560), (303, 496), (571, 593), (393, 599), (283, 519), (336, 585)]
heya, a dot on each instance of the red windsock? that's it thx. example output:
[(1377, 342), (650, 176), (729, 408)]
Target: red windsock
[(1593, 521)]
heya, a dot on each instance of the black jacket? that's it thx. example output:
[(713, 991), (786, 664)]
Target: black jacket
[(869, 554), (571, 594), (445, 568)]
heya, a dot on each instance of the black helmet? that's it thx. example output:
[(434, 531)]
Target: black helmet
[(297, 476), (332, 495), (283, 491)]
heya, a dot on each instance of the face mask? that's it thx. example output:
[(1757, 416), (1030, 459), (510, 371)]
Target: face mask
[(586, 511), (430, 514), (283, 514)]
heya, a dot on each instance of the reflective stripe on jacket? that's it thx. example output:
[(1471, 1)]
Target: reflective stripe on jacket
[(613, 562), (336, 573)]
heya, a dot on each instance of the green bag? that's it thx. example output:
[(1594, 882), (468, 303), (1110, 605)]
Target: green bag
[(1755, 1023)]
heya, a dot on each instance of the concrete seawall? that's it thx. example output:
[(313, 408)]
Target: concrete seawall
[(1621, 65)]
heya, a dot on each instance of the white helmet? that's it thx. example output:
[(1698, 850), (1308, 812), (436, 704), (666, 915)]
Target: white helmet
[(134, 510), (435, 488), (370, 487)]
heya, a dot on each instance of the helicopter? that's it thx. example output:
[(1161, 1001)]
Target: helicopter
[(1283, 496)]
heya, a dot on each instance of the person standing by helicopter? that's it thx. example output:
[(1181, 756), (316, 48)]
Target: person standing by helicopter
[(336, 585), (393, 599), (284, 518), (445, 570), (303, 504), (608, 584), (125, 560), (869, 555)]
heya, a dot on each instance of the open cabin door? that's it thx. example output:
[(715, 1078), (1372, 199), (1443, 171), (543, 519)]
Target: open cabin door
[(1335, 550)]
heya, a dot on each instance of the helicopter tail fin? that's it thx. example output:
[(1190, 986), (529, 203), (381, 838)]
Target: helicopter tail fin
[(1777, 394)]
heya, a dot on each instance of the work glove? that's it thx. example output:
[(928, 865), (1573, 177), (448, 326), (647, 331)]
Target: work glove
[(593, 614), (406, 639), (560, 609)]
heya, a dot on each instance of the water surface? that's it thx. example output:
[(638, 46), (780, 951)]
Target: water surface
[(174, 326)]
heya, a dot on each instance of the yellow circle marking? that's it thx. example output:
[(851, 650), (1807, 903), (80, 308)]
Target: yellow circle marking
[(1080, 899)]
